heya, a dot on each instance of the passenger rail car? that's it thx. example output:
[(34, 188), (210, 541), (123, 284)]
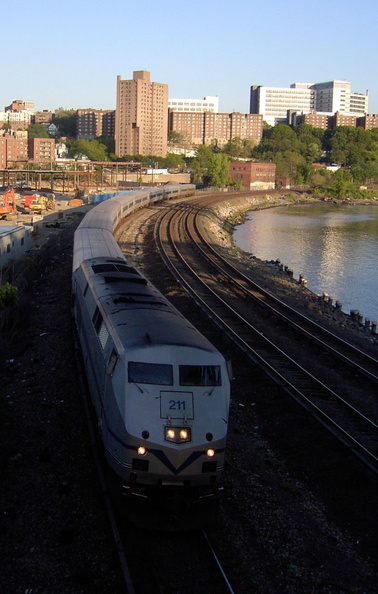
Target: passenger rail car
[(160, 389)]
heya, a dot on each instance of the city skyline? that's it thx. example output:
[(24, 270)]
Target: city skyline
[(72, 59)]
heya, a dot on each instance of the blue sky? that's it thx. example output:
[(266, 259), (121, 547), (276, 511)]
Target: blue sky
[(69, 54)]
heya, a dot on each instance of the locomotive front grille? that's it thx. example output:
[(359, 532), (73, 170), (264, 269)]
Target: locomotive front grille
[(209, 466), (139, 464)]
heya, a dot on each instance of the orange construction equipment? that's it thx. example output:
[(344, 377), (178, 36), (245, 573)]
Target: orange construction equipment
[(75, 202), (38, 203), (9, 204), (28, 199)]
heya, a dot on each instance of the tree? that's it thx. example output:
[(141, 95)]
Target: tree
[(342, 182), (37, 131), (8, 295), (365, 172), (176, 138), (287, 163), (201, 163), (65, 120), (94, 150), (219, 170), (237, 147), (280, 138), (173, 161), (109, 142), (211, 167)]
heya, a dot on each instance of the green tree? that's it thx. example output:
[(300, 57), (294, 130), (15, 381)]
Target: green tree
[(109, 143), (320, 178), (176, 138), (238, 147), (37, 131), (309, 142), (65, 120), (219, 170), (342, 183), (287, 163), (94, 150), (8, 295), (366, 172), (202, 163), (173, 161), (279, 138)]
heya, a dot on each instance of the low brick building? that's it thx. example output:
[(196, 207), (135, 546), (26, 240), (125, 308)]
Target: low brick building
[(13, 148), (42, 150), (368, 121), (212, 128), (252, 175)]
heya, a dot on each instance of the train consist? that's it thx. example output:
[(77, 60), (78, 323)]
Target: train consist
[(160, 390)]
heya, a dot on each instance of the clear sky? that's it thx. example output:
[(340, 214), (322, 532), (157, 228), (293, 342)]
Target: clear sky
[(69, 54)]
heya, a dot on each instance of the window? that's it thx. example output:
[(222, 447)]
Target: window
[(150, 373), (112, 362), (200, 375), (97, 319), (101, 329)]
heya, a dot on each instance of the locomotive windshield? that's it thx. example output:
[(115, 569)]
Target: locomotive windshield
[(200, 375), (150, 373)]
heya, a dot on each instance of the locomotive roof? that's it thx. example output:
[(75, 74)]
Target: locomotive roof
[(94, 243), (138, 312)]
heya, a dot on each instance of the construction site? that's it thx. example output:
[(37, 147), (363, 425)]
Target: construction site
[(87, 176)]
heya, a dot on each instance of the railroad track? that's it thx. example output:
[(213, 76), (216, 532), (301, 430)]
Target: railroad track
[(361, 361), (184, 562), (234, 302)]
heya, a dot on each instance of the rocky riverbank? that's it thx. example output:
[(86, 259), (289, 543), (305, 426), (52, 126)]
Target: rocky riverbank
[(271, 275)]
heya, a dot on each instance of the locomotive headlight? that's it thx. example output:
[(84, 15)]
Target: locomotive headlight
[(141, 451), (177, 434), (170, 434), (210, 453)]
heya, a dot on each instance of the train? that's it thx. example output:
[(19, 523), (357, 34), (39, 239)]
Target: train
[(160, 390)]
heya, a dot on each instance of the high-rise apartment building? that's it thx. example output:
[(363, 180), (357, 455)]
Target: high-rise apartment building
[(274, 103), (141, 120), (91, 123)]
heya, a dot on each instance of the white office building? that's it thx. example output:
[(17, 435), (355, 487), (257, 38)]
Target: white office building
[(274, 103), (197, 105)]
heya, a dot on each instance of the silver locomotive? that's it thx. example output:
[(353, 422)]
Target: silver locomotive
[(160, 390)]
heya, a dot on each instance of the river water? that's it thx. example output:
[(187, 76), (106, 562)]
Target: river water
[(334, 247)]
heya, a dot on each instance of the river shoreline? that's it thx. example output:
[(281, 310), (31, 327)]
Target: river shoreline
[(233, 211)]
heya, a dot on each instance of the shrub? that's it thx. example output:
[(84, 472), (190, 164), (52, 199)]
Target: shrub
[(8, 295)]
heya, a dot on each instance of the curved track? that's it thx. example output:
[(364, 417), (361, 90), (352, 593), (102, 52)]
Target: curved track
[(237, 305)]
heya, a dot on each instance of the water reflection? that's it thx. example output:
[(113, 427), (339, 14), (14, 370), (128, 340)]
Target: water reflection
[(335, 247)]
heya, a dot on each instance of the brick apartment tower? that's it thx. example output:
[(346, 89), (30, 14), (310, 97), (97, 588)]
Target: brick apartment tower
[(141, 121)]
